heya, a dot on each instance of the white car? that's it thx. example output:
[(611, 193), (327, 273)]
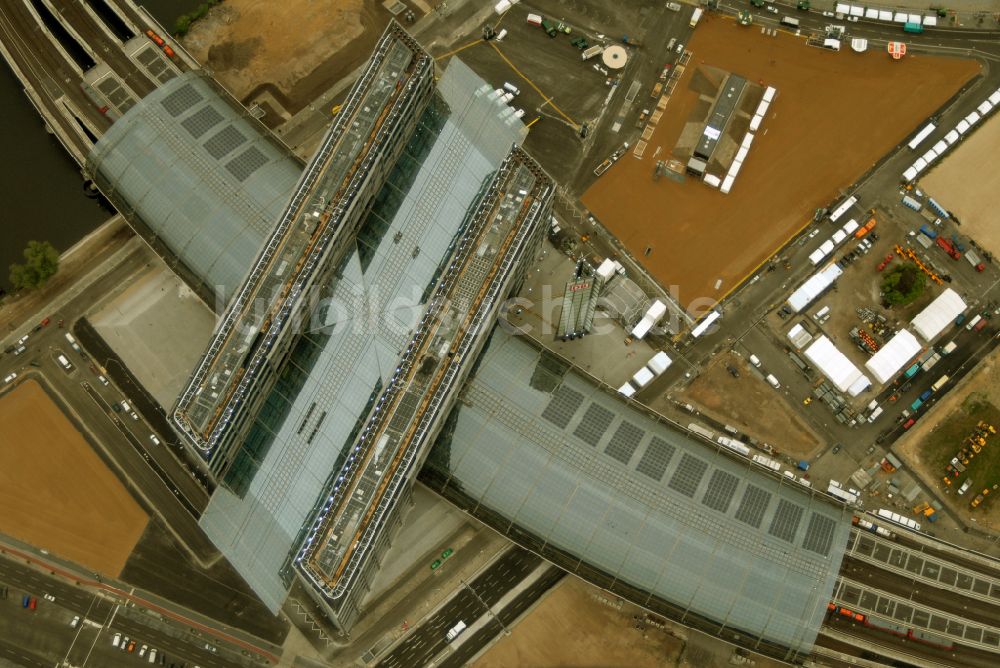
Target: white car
[(10, 377), (142, 650), (20, 349), (103, 380), (117, 640), (829, 15), (755, 361), (153, 439), (210, 648), (772, 9), (76, 622), (853, 19), (680, 48), (49, 597)]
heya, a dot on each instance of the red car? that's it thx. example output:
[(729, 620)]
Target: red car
[(33, 603), (909, 423)]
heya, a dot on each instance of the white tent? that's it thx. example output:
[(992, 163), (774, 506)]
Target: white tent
[(893, 356), (939, 314), (642, 377), (642, 329), (859, 386), (814, 287), (626, 390), (799, 336), (656, 311), (658, 363), (834, 364)]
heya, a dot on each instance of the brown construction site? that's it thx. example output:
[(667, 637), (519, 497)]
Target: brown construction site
[(55, 492), (834, 116)]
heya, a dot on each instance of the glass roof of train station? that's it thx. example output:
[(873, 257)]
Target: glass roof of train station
[(542, 451), (200, 175)]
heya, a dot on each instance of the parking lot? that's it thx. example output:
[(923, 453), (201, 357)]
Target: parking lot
[(834, 115)]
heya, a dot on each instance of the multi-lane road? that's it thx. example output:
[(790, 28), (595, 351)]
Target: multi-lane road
[(474, 600)]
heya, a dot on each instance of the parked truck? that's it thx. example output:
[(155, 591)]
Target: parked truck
[(592, 51), (928, 231), (974, 260), (949, 248), (550, 28), (695, 16), (913, 27)]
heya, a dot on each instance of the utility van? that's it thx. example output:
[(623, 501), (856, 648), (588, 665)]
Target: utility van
[(455, 631)]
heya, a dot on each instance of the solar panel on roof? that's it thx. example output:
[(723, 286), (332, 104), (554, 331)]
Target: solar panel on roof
[(688, 474), (202, 121), (752, 506), (625, 441), (721, 487), (181, 100), (786, 520), (246, 163), (819, 534), (563, 406), (224, 142), (656, 458), (594, 423)]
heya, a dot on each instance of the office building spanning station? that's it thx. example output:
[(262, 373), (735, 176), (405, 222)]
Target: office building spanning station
[(358, 308)]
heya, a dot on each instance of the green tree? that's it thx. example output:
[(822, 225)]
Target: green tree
[(41, 263), (903, 284)]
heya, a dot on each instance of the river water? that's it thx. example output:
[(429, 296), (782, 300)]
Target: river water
[(42, 187)]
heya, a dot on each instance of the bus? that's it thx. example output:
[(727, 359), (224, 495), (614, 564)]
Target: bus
[(939, 384), (790, 22)]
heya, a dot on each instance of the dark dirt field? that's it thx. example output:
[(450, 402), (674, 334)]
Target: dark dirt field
[(834, 116)]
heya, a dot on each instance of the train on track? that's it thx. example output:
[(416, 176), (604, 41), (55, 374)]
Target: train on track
[(893, 628)]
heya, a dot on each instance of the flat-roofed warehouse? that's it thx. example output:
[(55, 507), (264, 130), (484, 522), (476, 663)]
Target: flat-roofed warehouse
[(637, 506)]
